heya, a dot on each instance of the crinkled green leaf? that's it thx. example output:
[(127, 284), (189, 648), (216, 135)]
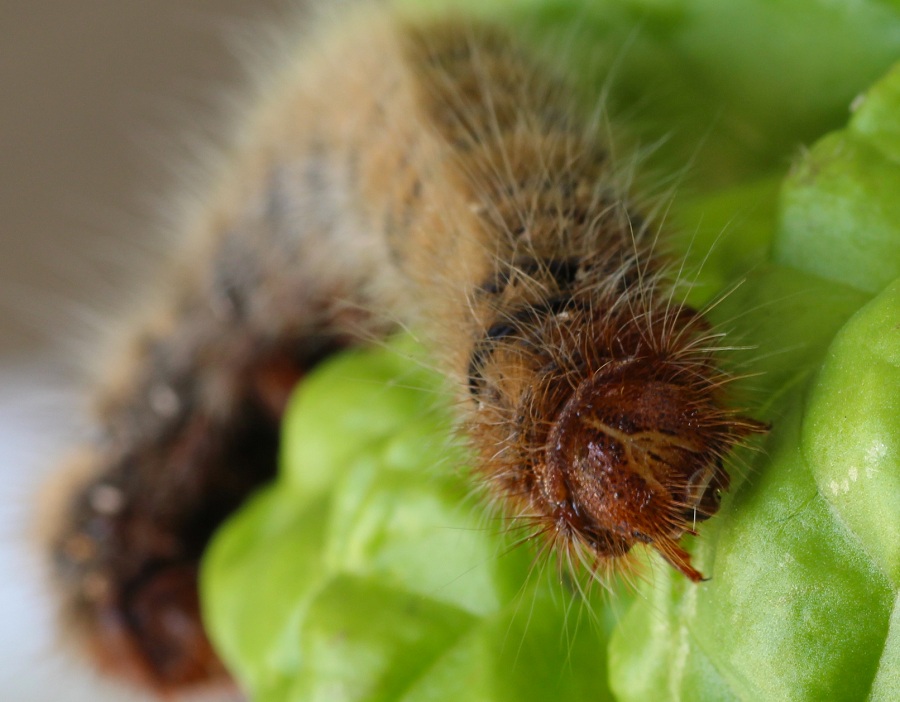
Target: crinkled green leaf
[(369, 571), (804, 554), (840, 208), (851, 430)]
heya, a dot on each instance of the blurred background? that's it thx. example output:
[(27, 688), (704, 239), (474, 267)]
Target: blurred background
[(97, 96)]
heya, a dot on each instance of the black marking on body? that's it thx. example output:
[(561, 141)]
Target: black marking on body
[(235, 275), (527, 317), (563, 271)]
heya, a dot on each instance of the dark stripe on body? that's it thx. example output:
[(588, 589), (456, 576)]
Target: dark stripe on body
[(526, 317), (564, 272)]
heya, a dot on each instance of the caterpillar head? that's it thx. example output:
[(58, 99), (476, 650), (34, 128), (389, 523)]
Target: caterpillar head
[(635, 456)]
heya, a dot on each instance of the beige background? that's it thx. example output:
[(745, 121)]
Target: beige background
[(94, 95)]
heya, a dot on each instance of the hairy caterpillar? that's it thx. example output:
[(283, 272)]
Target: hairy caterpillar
[(409, 172)]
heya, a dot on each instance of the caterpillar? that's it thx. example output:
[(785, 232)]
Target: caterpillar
[(408, 171)]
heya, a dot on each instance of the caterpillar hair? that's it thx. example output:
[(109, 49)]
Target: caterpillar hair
[(404, 172)]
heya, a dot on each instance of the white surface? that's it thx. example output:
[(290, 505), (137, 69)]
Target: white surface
[(36, 417), (32, 666)]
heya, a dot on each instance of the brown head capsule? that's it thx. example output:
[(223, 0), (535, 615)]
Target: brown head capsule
[(619, 428), (635, 456)]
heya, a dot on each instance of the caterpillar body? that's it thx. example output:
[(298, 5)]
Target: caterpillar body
[(408, 172)]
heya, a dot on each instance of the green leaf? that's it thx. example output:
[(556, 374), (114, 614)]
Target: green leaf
[(804, 553), (840, 208), (851, 431), (387, 582)]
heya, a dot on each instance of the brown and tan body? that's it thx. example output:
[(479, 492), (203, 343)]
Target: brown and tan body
[(405, 173)]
